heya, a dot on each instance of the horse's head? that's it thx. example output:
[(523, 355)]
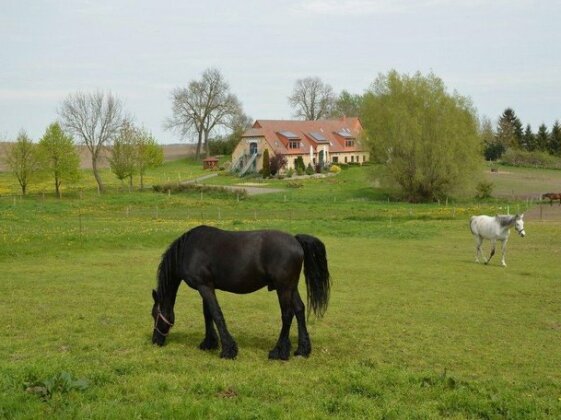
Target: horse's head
[(519, 224), (162, 321)]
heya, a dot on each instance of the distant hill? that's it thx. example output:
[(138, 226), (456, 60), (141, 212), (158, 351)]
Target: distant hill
[(171, 152)]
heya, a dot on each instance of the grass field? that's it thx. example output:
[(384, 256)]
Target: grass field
[(415, 329)]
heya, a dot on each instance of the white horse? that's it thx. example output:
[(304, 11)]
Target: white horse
[(494, 228)]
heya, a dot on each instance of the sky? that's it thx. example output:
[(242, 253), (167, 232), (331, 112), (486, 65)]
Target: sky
[(499, 53)]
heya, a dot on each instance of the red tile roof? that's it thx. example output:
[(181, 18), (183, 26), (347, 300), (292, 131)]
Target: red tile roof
[(334, 132)]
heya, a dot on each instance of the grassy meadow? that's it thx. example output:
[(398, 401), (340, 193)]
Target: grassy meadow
[(415, 328)]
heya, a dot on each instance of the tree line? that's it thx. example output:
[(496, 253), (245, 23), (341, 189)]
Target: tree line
[(428, 139), (56, 156), (510, 134)]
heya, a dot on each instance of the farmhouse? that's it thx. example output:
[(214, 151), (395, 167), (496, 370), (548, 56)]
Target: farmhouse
[(317, 142)]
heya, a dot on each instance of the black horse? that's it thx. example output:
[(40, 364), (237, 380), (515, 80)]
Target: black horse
[(207, 258)]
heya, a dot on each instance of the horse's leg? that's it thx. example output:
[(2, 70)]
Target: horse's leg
[(210, 341), (282, 348), (493, 245), (504, 252), (229, 346), (304, 344), (478, 242)]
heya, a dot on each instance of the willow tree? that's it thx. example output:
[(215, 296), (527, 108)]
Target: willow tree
[(427, 137)]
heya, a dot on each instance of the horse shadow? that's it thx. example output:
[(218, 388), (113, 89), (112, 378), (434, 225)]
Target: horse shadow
[(193, 338)]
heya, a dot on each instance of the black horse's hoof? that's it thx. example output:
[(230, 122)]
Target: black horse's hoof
[(279, 353), (229, 352), (303, 353), (208, 345)]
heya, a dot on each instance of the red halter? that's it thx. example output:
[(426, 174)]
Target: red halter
[(163, 319)]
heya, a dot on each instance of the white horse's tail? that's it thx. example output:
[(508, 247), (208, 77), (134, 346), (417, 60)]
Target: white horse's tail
[(471, 220)]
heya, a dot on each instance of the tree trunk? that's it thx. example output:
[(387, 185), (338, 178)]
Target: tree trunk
[(141, 179), (207, 146), (100, 186), (57, 186), (199, 143), (130, 183)]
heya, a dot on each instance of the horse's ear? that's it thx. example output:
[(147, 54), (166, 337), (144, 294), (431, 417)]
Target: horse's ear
[(155, 296), (522, 216)]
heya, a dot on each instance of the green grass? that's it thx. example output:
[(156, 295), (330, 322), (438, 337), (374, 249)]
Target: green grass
[(415, 329)]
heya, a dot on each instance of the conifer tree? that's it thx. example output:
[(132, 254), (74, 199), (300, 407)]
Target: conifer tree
[(542, 138), (266, 164), (554, 144)]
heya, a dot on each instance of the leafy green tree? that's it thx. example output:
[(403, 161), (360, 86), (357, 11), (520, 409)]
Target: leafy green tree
[(427, 137), (554, 143), (124, 153), (23, 160), (149, 154), (542, 138), (492, 149), (266, 164), (59, 155)]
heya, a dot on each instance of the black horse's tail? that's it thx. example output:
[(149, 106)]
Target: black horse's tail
[(316, 273)]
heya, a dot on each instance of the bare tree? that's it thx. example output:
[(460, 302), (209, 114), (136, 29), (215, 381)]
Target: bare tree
[(94, 118), (203, 106), (312, 99)]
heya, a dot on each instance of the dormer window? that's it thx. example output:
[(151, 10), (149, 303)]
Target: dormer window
[(349, 143), (293, 144)]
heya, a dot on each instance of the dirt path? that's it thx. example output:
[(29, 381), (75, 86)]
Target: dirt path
[(251, 190)]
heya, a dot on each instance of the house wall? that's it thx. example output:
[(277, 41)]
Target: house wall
[(341, 157), (243, 149)]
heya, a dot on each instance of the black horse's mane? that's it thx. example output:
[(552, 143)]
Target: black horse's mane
[(166, 274)]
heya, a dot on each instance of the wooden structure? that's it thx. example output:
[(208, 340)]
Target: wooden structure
[(210, 163)]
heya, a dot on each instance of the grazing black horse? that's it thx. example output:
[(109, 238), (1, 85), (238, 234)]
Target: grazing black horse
[(207, 258)]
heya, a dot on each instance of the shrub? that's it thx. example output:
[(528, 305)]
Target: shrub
[(266, 164), (310, 170), (289, 173), (534, 159), (294, 184), (335, 169), (175, 188), (484, 189), (276, 163), (299, 165)]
